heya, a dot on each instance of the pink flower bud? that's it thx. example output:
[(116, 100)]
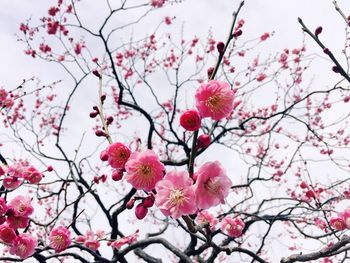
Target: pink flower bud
[(104, 156), (117, 175), (130, 204), (140, 211), (318, 31), (220, 46), (203, 141), (49, 168), (148, 201), (103, 178), (190, 120)]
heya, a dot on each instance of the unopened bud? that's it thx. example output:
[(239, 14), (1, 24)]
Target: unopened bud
[(237, 33), (104, 156), (100, 133), (49, 168), (326, 51), (203, 141), (93, 114), (210, 72), (96, 73), (140, 211), (103, 97), (148, 201), (109, 120), (117, 175), (130, 204), (318, 31), (335, 69), (220, 47)]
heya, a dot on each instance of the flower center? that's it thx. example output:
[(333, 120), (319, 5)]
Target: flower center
[(214, 102), (212, 187), (176, 197), (145, 170), (59, 241)]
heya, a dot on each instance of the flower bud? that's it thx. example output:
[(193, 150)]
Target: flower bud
[(210, 72), (203, 141), (100, 133), (104, 156), (93, 114), (335, 69), (220, 46), (318, 31), (49, 168), (130, 203), (96, 73), (117, 175), (109, 120), (190, 120), (148, 201), (326, 51), (237, 33), (103, 97), (140, 211)]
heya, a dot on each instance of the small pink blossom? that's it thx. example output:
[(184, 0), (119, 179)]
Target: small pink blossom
[(32, 175), (24, 246), (214, 99), (157, 3), (21, 206), (118, 154), (144, 170), (232, 226), (337, 223), (92, 244), (3, 206), (117, 244), (60, 238), (346, 217), (175, 196), (212, 185), (11, 182), (204, 217), (7, 234)]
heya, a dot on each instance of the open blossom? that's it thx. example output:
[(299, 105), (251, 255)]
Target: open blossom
[(214, 99), (346, 217), (337, 223), (24, 246), (11, 182), (212, 185), (190, 120), (232, 226), (175, 196), (32, 175), (144, 170), (60, 238), (7, 234), (17, 221), (21, 206), (117, 244), (118, 154), (204, 217)]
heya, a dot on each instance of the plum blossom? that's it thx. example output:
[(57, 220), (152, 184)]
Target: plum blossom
[(175, 196), (117, 155), (190, 120), (232, 226), (144, 170), (337, 223), (7, 234), (204, 217), (212, 185), (117, 244), (346, 217), (21, 206), (24, 246), (214, 99), (60, 238)]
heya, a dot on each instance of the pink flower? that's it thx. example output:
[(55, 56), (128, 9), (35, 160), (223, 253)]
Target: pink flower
[(212, 185), (118, 154), (175, 196), (203, 141), (157, 3), (17, 221), (92, 244), (117, 244), (346, 217), (337, 223), (32, 175), (60, 238), (214, 99), (24, 246), (7, 234), (3, 206), (144, 170), (190, 120), (232, 226), (204, 217), (21, 206), (11, 182)]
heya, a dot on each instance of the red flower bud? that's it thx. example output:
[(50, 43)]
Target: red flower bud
[(326, 51), (49, 168), (117, 175), (100, 133), (103, 97), (148, 201), (103, 178), (220, 46), (335, 69), (318, 31), (303, 185), (130, 204), (96, 179), (237, 33), (203, 141), (190, 120), (141, 211), (96, 73), (109, 120), (210, 72), (104, 156), (93, 114)]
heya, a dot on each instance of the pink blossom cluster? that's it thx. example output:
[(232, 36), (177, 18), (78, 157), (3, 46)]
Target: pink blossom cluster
[(14, 215), (6, 100), (342, 221), (90, 239), (117, 244), (178, 195), (19, 172)]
